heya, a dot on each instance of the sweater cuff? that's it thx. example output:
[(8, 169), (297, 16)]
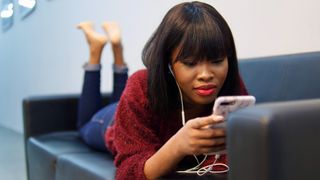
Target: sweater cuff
[(91, 67)]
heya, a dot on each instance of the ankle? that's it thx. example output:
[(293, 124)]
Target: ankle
[(117, 46), (95, 51), (95, 58)]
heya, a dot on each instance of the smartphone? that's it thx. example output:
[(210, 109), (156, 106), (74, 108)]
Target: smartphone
[(223, 105)]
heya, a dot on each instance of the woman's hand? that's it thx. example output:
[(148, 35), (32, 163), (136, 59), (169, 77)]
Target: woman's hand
[(199, 136)]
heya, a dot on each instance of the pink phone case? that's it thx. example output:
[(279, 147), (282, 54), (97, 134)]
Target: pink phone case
[(225, 104)]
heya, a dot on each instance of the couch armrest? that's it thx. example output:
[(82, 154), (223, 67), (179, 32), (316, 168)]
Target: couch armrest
[(45, 114), (275, 141)]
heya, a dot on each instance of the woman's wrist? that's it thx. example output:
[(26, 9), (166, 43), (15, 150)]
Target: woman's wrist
[(176, 150), (164, 160)]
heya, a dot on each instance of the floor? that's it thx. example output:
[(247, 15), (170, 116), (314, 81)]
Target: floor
[(12, 156)]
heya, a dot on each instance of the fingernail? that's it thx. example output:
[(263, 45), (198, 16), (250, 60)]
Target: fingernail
[(218, 118)]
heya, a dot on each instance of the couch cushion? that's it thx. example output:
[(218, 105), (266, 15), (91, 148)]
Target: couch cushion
[(282, 78), (85, 166), (43, 152), (277, 141)]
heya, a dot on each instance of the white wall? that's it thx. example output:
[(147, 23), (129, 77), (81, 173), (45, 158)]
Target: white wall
[(43, 53)]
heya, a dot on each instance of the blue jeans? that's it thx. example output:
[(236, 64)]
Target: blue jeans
[(93, 118)]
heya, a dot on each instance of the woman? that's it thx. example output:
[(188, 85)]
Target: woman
[(164, 112), (163, 115)]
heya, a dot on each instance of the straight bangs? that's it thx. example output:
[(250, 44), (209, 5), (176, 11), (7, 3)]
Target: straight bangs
[(201, 41)]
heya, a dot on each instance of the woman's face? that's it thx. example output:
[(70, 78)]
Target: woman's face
[(200, 83)]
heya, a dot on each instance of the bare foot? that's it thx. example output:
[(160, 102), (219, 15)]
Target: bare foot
[(113, 31), (95, 40)]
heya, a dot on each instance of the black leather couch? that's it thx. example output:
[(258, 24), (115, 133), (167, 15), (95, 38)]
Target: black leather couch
[(277, 139)]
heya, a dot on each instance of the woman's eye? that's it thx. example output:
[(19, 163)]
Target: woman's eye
[(189, 63), (217, 61)]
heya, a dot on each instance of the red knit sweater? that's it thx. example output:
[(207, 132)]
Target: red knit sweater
[(137, 132)]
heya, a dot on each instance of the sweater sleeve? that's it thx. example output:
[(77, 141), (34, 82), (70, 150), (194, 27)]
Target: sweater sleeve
[(135, 136)]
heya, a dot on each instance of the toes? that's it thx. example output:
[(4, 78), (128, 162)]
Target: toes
[(85, 25)]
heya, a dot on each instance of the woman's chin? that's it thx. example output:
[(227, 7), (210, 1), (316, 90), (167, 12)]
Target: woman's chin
[(202, 101)]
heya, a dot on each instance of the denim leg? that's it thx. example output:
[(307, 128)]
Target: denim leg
[(90, 99), (93, 132), (119, 83)]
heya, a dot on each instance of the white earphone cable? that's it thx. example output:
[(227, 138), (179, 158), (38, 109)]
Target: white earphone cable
[(197, 170), (181, 99)]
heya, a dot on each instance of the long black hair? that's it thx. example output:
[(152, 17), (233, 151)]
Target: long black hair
[(200, 32)]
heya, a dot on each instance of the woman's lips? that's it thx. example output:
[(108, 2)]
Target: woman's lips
[(206, 90)]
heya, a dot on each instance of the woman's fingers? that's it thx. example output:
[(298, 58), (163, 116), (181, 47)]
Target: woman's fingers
[(210, 133), (201, 127), (202, 122), (211, 142), (200, 138), (201, 146)]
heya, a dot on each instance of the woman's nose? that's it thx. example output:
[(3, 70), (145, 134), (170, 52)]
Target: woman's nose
[(204, 72)]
